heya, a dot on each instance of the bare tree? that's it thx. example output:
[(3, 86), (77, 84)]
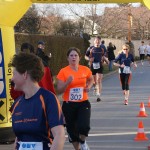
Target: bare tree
[(50, 19), (141, 22), (114, 22), (87, 14)]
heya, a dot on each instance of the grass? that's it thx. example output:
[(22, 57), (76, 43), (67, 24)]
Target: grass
[(106, 69)]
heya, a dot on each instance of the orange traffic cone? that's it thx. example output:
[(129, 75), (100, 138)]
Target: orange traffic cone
[(142, 112), (140, 135), (148, 104)]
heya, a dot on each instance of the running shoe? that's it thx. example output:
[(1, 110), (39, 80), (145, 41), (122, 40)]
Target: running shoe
[(94, 92), (125, 102), (84, 146), (142, 63), (98, 99)]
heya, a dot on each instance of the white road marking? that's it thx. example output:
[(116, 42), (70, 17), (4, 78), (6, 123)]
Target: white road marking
[(109, 134)]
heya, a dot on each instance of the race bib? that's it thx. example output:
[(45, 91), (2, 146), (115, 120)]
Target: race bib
[(126, 70), (96, 65), (31, 146), (76, 93)]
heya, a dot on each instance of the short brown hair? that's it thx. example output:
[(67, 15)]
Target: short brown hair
[(28, 62), (73, 49), (26, 46)]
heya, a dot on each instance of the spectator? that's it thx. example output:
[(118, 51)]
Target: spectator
[(104, 47), (40, 52), (46, 81), (111, 55), (27, 48)]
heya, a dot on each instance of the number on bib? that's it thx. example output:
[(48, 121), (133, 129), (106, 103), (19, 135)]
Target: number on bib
[(96, 65), (76, 94), (126, 70)]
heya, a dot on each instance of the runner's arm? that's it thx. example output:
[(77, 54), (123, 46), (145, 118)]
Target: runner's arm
[(119, 65), (105, 59), (88, 53), (86, 58), (61, 86), (134, 65), (15, 143), (59, 137), (117, 59), (89, 83), (116, 64)]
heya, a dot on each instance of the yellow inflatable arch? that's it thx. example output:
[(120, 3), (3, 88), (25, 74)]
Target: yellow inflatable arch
[(10, 13)]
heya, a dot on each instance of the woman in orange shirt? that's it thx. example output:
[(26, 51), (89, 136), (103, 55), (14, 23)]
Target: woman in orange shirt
[(75, 81)]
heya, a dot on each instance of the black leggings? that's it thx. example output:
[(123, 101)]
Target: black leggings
[(125, 80), (77, 116)]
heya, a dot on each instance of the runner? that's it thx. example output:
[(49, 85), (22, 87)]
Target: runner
[(148, 52), (75, 81), (36, 113), (142, 49), (125, 60), (95, 55)]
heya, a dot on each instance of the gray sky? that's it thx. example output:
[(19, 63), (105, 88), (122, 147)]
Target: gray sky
[(63, 8)]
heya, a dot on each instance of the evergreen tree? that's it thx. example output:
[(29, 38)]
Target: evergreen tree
[(30, 22)]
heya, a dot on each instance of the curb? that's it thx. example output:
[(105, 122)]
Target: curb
[(110, 73)]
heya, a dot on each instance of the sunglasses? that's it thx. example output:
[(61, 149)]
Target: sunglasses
[(125, 49)]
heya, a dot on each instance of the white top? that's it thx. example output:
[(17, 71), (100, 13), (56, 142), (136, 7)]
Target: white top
[(142, 49), (148, 49)]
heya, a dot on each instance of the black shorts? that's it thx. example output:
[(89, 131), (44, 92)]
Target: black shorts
[(94, 71), (148, 55), (142, 56), (77, 116)]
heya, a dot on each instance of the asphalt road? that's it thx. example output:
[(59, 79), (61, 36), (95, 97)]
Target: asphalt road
[(113, 124)]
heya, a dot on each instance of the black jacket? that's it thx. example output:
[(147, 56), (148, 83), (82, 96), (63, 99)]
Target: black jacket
[(43, 56), (110, 52)]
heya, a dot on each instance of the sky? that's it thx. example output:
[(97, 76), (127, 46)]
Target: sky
[(63, 8)]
